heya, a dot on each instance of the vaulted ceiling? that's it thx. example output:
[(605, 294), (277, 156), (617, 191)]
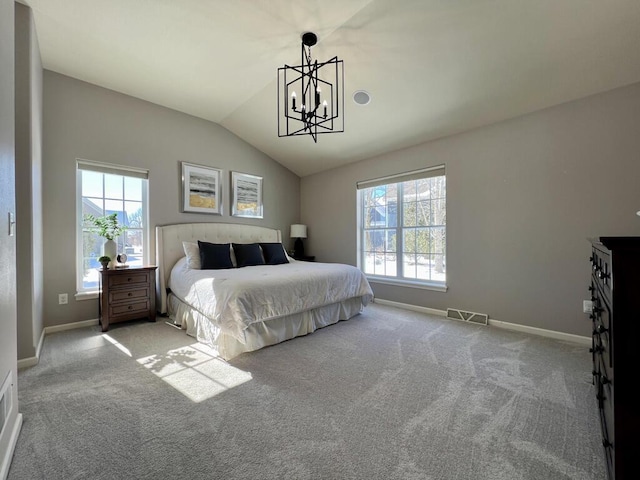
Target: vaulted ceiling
[(432, 67)]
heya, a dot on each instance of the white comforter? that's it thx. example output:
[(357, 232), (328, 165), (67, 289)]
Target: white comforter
[(235, 298)]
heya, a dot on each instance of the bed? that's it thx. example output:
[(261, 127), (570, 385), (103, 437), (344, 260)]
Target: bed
[(242, 309)]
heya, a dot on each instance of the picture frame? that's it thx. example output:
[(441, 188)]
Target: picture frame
[(201, 189), (246, 195)]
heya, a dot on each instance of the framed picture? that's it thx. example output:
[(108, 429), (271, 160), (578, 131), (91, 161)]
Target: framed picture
[(201, 189), (247, 195)]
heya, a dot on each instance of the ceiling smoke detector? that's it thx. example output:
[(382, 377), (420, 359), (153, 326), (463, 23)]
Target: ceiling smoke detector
[(361, 97)]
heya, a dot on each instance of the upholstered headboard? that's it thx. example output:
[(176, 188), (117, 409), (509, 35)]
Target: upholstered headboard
[(169, 249)]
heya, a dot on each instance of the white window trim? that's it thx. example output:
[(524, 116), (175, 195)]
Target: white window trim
[(399, 282), (396, 178), (91, 294)]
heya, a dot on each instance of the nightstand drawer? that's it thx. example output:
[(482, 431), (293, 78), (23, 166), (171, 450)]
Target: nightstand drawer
[(131, 279), (128, 294), (129, 308)]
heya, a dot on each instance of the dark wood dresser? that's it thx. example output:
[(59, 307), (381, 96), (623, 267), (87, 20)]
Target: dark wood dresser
[(127, 294), (615, 293)]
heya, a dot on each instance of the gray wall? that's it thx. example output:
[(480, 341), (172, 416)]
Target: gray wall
[(85, 121), (29, 179), (8, 349), (523, 196)]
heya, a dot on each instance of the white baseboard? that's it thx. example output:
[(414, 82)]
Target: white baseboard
[(71, 326), (415, 308), (567, 337), (32, 361), (13, 440)]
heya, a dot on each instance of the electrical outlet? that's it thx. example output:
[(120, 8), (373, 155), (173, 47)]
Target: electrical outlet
[(63, 299), (587, 306)]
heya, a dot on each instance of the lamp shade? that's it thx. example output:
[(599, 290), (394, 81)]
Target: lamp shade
[(298, 231)]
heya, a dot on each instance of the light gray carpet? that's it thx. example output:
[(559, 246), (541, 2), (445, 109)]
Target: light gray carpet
[(389, 394)]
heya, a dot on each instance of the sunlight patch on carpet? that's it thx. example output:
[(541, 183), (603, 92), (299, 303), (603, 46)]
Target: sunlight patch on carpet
[(117, 344), (195, 372)]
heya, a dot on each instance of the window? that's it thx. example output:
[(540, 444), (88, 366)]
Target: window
[(402, 227), (103, 189)]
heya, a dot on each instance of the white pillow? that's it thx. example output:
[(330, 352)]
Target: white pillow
[(192, 251)]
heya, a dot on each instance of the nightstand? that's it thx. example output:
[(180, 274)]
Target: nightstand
[(306, 258), (127, 294)]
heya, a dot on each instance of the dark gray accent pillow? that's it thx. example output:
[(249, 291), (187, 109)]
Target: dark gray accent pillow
[(274, 253), (248, 254), (214, 256)]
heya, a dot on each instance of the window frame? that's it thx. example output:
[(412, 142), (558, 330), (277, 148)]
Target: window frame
[(82, 292), (399, 229)]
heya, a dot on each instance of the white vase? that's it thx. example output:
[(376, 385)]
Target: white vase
[(110, 249)]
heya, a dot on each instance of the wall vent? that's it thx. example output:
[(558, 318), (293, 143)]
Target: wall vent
[(473, 317), (5, 398)]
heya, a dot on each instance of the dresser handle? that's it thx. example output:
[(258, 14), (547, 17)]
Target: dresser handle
[(601, 398), (600, 329), (606, 443), (129, 294), (604, 380), (129, 279), (596, 349), (130, 307)]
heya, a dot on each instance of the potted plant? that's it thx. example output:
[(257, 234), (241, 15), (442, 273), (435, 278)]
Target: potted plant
[(104, 260), (109, 228)]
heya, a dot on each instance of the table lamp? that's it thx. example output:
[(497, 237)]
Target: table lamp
[(298, 232)]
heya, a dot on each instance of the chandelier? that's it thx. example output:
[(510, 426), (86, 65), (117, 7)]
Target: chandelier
[(311, 95)]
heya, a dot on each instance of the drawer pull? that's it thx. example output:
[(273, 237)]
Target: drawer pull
[(604, 380), (597, 349), (600, 329), (130, 307), (129, 294), (129, 279), (606, 443), (601, 398)]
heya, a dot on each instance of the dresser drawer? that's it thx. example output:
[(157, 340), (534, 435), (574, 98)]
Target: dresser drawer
[(141, 307), (601, 315), (601, 268), (117, 296), (131, 279)]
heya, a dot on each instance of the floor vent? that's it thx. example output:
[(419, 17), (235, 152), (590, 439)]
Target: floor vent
[(473, 317)]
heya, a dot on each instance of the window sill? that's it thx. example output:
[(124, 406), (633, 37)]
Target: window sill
[(436, 287), (87, 295)]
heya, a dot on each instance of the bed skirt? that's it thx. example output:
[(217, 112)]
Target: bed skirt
[(261, 334)]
